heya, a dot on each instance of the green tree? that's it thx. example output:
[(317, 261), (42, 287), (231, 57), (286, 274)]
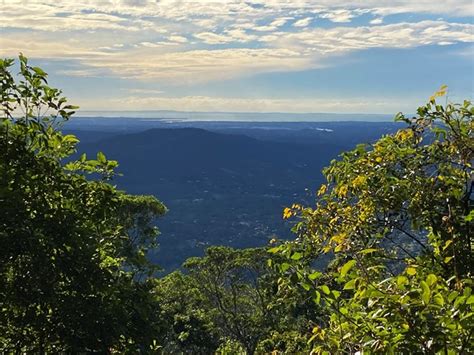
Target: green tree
[(397, 217), (241, 297), (73, 266), (187, 316)]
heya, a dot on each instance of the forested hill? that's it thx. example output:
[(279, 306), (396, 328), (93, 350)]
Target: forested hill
[(222, 188)]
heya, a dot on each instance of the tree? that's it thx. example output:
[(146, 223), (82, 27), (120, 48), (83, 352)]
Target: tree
[(239, 289), (187, 316), (73, 266), (397, 217)]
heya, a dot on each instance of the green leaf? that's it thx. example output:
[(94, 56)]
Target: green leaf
[(368, 251), (317, 297), (315, 275), (39, 71), (325, 289), (296, 256), (274, 250), (101, 157), (438, 299), (350, 285), (347, 266), (470, 216), (402, 280), (426, 293), (431, 279), (453, 295)]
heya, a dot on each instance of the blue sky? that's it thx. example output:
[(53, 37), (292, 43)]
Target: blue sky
[(254, 56)]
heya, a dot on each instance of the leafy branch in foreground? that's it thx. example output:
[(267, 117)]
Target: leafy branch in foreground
[(397, 216), (72, 249)]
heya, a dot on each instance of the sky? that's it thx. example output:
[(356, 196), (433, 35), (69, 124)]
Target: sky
[(246, 56)]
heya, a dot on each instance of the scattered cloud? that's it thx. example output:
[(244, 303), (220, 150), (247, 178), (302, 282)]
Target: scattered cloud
[(178, 61), (303, 22), (178, 39), (144, 92), (189, 42), (236, 104), (213, 38), (339, 15), (376, 21)]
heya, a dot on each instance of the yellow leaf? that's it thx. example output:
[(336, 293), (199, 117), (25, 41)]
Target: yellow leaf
[(441, 92), (342, 191), (359, 180), (447, 244), (404, 134), (338, 238), (287, 213), (322, 190)]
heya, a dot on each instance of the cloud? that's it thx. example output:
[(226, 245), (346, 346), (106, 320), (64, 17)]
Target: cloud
[(240, 35), (186, 42), (213, 38), (401, 35), (376, 21), (144, 92), (177, 38), (112, 15), (180, 62), (303, 22), (236, 104), (280, 21), (194, 66), (339, 15)]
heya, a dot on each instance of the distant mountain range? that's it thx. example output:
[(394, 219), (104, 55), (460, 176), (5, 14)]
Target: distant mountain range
[(226, 184)]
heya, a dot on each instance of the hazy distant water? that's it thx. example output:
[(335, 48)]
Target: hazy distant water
[(240, 116)]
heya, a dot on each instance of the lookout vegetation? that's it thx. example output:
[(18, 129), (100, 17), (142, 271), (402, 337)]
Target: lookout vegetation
[(380, 263)]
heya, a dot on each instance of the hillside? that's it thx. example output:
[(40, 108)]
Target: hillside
[(220, 188)]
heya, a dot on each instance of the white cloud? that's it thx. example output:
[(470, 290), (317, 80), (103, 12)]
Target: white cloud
[(67, 15), (339, 15), (173, 40), (377, 21), (185, 63), (177, 38), (401, 35), (280, 21), (145, 92), (236, 104), (303, 22), (240, 35), (194, 66), (213, 38)]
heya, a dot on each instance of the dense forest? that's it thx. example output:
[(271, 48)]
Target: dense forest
[(381, 262)]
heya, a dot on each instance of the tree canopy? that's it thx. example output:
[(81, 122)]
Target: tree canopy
[(397, 217), (72, 247)]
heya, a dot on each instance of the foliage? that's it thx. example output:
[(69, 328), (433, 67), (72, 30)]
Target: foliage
[(397, 217), (186, 316), (238, 287), (72, 249), (228, 303)]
